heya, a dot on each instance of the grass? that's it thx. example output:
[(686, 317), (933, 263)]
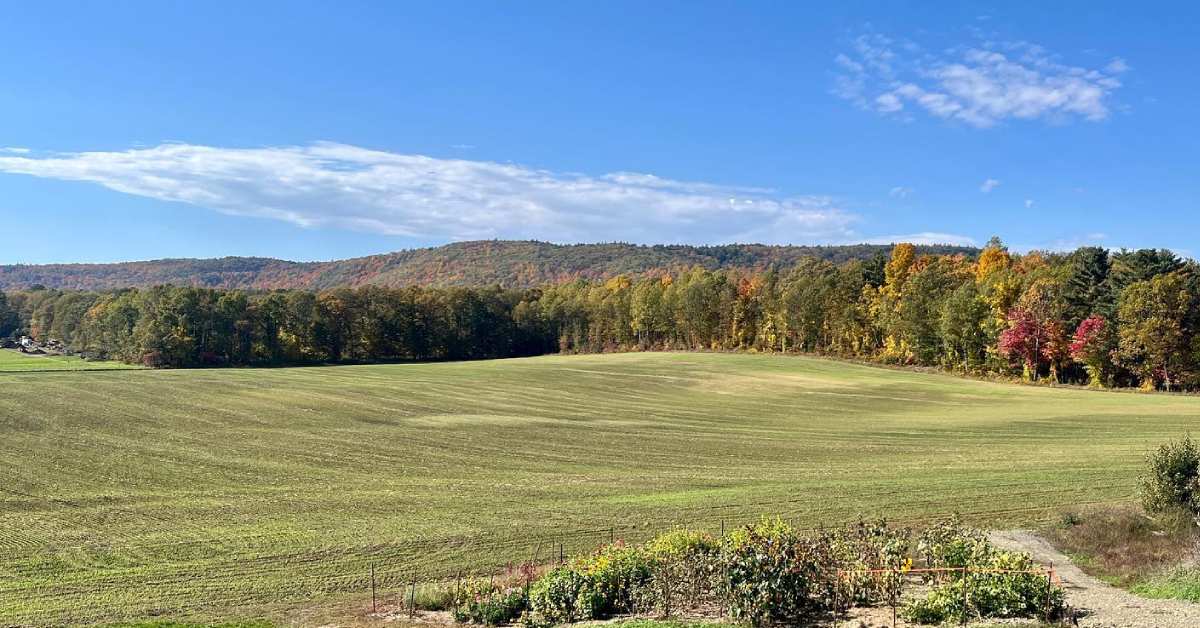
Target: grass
[(13, 361), (668, 623), (1180, 583), (175, 624), (1123, 546), (212, 494), (1151, 556)]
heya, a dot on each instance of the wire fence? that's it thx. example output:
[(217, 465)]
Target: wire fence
[(386, 570), (897, 578)]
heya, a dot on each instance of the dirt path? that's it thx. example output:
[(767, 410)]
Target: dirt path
[(1104, 606)]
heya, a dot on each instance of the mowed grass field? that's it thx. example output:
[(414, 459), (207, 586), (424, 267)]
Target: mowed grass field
[(220, 493), (12, 360)]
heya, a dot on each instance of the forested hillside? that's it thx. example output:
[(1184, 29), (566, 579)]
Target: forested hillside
[(1130, 318), (513, 264)]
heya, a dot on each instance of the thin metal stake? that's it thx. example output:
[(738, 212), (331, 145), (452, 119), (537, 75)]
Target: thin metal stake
[(964, 598), (1049, 577), (374, 608), (412, 599), (895, 597)]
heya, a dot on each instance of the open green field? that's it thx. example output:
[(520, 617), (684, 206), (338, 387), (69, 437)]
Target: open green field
[(15, 361), (218, 493)]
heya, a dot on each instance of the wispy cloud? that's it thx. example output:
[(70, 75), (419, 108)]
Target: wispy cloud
[(979, 85), (925, 237), (14, 150), (1063, 244), (989, 185), (1028, 203), (329, 184), (900, 192)]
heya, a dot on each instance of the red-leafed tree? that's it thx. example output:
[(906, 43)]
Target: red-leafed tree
[(1031, 340), (1092, 347)]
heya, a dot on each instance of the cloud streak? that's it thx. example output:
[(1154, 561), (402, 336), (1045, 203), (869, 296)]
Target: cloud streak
[(337, 185), (981, 85), (924, 237)]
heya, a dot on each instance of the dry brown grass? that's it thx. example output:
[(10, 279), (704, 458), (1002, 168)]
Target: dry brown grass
[(1123, 545)]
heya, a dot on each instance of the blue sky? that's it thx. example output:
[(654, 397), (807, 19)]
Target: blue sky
[(327, 130)]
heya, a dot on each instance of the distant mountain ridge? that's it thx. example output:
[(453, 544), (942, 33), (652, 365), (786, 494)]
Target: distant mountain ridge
[(509, 263)]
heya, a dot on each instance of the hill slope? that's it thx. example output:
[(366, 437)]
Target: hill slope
[(508, 263), (129, 494)]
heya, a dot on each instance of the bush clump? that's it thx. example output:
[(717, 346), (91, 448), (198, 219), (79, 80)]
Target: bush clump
[(608, 582), (772, 573), (870, 546), (562, 596), (480, 601), (1006, 584), (684, 567), (1172, 479)]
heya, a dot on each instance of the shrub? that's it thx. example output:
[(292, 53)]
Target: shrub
[(684, 567), (1009, 592), (774, 574), (614, 574), (682, 543), (559, 597), (951, 544), (870, 545), (481, 601), (1172, 479), (606, 583)]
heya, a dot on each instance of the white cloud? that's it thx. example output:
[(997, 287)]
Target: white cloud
[(1117, 66), (989, 185), (16, 150), (900, 192), (980, 85), (1064, 244), (1028, 203), (336, 185), (924, 237)]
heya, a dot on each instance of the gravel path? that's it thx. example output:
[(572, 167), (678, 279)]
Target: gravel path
[(1102, 606)]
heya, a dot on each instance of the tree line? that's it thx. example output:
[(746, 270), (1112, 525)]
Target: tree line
[(1128, 318)]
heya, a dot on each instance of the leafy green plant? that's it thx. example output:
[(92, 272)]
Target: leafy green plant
[(561, 596), (614, 575), (480, 601), (1006, 584), (867, 546), (684, 569), (1172, 479), (772, 573)]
